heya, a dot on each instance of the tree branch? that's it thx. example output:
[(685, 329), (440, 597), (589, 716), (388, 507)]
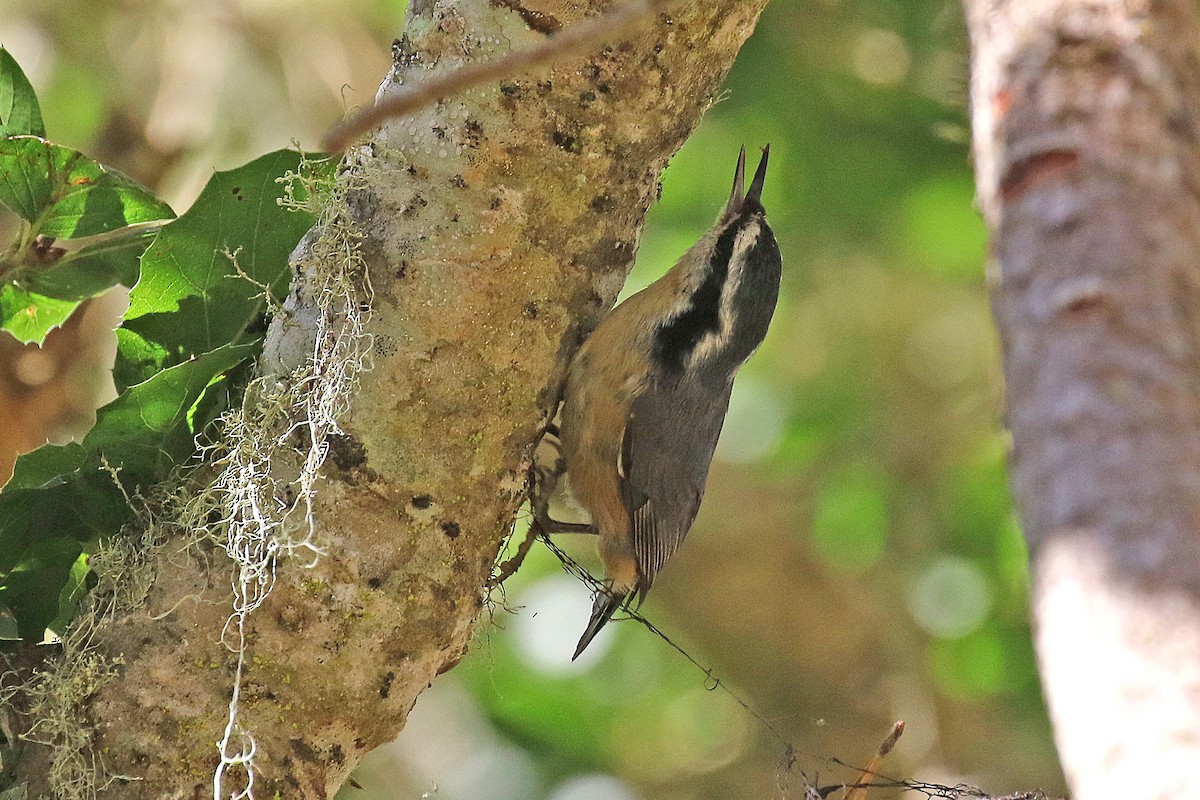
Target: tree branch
[(1085, 117), (497, 227)]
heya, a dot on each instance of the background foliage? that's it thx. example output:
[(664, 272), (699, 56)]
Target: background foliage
[(856, 560)]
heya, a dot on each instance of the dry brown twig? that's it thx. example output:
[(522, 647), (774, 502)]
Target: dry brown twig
[(571, 41), (858, 789)]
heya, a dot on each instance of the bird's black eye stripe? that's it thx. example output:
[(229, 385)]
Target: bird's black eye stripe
[(675, 341)]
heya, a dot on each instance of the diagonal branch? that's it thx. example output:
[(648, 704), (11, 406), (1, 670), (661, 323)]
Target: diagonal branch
[(491, 229)]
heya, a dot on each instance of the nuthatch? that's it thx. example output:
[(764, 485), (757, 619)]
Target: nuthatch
[(647, 394)]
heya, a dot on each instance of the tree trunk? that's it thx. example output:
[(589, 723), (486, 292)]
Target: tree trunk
[(498, 226), (1086, 116)]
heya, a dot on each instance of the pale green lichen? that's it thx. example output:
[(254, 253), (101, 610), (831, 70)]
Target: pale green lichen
[(268, 475), (264, 511), (123, 566)]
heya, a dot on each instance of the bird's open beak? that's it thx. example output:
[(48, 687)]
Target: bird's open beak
[(760, 175), (739, 180), (738, 201)]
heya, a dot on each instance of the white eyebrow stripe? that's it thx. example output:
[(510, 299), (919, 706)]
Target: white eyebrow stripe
[(714, 341)]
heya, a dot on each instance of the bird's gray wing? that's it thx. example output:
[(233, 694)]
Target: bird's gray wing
[(666, 450)]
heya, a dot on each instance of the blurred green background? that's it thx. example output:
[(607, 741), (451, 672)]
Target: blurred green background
[(856, 560)]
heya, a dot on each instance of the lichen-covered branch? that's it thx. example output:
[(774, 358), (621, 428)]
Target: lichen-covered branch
[(475, 242), (1086, 117)]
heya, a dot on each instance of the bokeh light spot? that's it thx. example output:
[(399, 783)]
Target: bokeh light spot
[(952, 598), (754, 424), (593, 787), (881, 57), (556, 612)]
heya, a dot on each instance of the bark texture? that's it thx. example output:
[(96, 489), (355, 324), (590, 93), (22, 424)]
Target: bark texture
[(499, 226), (1086, 116)]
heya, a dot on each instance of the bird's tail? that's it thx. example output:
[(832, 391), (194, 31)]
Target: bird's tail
[(605, 605)]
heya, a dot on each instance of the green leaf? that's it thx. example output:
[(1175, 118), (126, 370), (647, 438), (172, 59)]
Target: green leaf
[(32, 587), (30, 316), (64, 194), (72, 594), (145, 430), (41, 298), (191, 298), (137, 359), (8, 626), (47, 466), (60, 496), (19, 109), (91, 270)]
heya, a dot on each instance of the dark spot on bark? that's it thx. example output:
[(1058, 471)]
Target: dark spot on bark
[(607, 253), (422, 501), (1090, 301), (290, 618), (603, 203), (374, 583), (347, 452), (603, 88), (458, 181), (414, 206), (304, 750), (510, 89), (288, 777), (402, 270), (337, 755), (385, 688), (567, 142), (444, 597), (403, 54), (531, 310), (474, 132), (451, 529), (538, 21), (1028, 173)]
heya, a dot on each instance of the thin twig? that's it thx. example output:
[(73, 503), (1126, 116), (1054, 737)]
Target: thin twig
[(571, 41), (509, 567), (858, 790)]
